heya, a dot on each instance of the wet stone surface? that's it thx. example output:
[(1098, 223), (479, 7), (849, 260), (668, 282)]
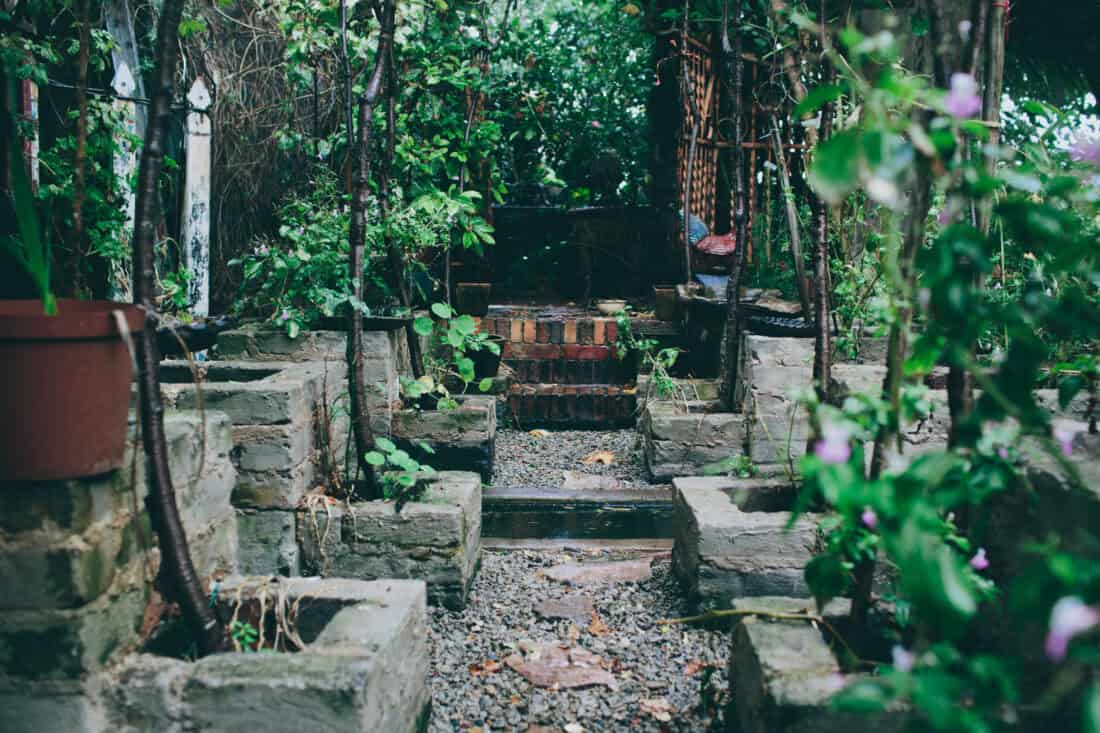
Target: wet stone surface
[(657, 672)]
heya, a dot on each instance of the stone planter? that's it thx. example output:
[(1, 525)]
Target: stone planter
[(365, 669), (436, 539), (281, 443), (732, 540), (783, 675), (463, 439)]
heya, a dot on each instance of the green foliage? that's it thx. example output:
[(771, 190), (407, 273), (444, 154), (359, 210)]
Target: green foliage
[(400, 471), (649, 357), (31, 249), (458, 336), (1045, 209), (244, 635)]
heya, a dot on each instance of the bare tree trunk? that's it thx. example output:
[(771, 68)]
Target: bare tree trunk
[(393, 251), (357, 232), (730, 353), (823, 341), (793, 225), (177, 569)]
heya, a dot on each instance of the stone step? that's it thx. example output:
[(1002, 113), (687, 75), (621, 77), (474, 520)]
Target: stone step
[(586, 405), (516, 513)]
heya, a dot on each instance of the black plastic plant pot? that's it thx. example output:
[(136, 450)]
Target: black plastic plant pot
[(486, 363)]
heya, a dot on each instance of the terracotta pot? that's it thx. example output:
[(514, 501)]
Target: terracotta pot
[(64, 389), (473, 298)]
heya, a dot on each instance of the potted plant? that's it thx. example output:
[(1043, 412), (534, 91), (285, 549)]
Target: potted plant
[(65, 366), (474, 356)]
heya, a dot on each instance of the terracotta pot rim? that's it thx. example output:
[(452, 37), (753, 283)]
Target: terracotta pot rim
[(80, 320)]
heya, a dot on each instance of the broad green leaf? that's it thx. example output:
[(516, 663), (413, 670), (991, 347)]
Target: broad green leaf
[(423, 326), (1068, 389), (385, 444), (835, 170), (817, 98), (442, 310), (374, 458), (827, 576), (465, 325), (485, 384), (865, 696)]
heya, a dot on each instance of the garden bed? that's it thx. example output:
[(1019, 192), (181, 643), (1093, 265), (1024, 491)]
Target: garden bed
[(364, 667), (783, 674), (436, 539), (732, 540), (462, 439)]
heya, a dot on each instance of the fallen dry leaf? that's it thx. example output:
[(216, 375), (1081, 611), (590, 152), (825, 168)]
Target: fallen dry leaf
[(489, 666), (693, 668), (605, 457), (538, 433), (658, 707), (598, 627), (556, 666)]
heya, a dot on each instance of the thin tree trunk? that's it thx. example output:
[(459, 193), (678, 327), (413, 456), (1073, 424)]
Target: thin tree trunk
[(792, 67), (730, 353), (80, 156), (823, 341), (793, 225), (393, 251), (177, 569), (357, 232)]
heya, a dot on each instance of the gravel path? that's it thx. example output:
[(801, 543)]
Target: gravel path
[(655, 668), (538, 459)]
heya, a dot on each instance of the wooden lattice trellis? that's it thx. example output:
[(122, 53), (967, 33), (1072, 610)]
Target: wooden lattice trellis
[(705, 86)]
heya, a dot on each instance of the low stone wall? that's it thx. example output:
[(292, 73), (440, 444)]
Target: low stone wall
[(436, 539), (78, 558), (783, 674), (289, 426), (385, 358), (463, 439), (365, 669), (732, 540)]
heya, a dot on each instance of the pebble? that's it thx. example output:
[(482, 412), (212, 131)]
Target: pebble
[(524, 460), (647, 659)]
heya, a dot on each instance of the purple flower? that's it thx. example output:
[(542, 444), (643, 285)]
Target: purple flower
[(1064, 433), (833, 447), (263, 249), (285, 315), (1086, 151), (979, 562), (597, 124), (962, 101), (903, 658), (869, 518), (1003, 453), (1069, 617)]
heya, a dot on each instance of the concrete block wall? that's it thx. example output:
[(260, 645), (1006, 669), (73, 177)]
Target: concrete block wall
[(77, 559)]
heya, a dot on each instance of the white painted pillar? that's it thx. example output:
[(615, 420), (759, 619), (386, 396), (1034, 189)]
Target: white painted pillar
[(29, 112), (125, 163), (195, 228)]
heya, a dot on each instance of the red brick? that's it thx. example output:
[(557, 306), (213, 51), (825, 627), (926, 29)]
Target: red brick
[(515, 330), (612, 333), (542, 334), (529, 332), (579, 352), (570, 332), (599, 331), (584, 332), (516, 350)]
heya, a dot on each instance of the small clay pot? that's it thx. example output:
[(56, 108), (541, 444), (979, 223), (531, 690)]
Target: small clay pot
[(64, 388)]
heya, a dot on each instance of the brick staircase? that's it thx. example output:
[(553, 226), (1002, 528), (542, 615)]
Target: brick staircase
[(565, 367)]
